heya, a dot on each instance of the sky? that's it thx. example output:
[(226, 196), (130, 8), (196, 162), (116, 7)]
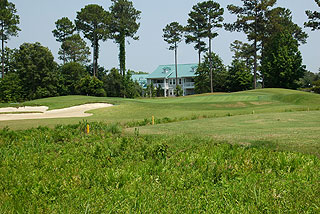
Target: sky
[(38, 17)]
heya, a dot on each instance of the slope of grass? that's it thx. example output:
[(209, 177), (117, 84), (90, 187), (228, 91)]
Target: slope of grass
[(294, 131), (215, 105), (63, 170)]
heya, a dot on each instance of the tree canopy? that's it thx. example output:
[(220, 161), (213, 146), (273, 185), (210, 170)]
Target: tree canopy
[(173, 35), (93, 21), (314, 18), (282, 64), (9, 22)]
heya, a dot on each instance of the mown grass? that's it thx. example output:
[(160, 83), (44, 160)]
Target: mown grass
[(64, 170), (209, 105), (293, 131)]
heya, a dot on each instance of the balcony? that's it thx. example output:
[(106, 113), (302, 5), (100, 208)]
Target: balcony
[(188, 85)]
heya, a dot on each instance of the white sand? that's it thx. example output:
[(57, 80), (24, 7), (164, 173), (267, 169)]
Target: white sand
[(75, 111), (24, 109)]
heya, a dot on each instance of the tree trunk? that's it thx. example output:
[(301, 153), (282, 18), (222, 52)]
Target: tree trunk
[(210, 59), (199, 51), (262, 57), (255, 49), (122, 54), (95, 54), (2, 50), (176, 63)]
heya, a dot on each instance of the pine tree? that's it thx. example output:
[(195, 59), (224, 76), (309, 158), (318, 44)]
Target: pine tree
[(173, 34), (9, 21), (124, 23), (94, 22)]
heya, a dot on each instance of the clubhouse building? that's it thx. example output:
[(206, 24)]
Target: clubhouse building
[(165, 77)]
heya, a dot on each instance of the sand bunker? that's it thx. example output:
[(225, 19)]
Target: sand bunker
[(75, 111)]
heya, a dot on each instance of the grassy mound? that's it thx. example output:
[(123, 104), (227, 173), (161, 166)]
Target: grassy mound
[(64, 170)]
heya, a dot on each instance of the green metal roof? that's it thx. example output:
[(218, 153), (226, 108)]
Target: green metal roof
[(169, 71), (141, 79)]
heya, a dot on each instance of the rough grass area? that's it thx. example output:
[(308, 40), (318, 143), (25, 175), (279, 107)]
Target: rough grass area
[(64, 170)]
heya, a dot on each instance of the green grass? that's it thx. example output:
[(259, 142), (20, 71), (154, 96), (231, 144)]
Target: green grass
[(294, 131), (63, 170), (217, 105)]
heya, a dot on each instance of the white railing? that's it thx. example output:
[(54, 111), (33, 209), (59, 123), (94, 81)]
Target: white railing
[(162, 85), (189, 84)]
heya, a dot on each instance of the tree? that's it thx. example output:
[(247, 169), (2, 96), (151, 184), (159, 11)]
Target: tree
[(8, 59), (195, 30), (94, 22), (123, 24), (74, 49), (64, 29), (314, 18), (8, 25), (11, 89), (173, 34), (239, 76), (282, 64), (113, 83), (243, 52), (72, 73), (37, 71), (203, 80), (91, 86), (251, 20), (212, 13)]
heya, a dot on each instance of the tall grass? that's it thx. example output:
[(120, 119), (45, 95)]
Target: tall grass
[(65, 170)]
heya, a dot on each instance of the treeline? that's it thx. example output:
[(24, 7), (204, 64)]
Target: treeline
[(269, 58), (30, 72)]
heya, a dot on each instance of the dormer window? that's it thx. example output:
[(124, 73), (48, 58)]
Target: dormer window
[(194, 68), (166, 70)]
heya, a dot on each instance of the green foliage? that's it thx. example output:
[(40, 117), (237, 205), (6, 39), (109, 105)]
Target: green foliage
[(8, 59), (172, 34), (74, 49), (202, 79), (37, 71), (93, 21), (11, 88), (64, 29), (195, 30), (308, 80), (124, 23), (178, 91), (131, 89), (212, 14), (9, 21), (151, 91), (314, 18), (278, 20), (72, 73), (103, 172), (243, 52), (282, 64), (91, 86), (160, 91), (113, 83), (239, 76)]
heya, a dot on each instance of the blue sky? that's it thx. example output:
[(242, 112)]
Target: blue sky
[(38, 17)]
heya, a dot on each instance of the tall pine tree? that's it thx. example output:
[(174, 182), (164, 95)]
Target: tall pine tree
[(9, 21), (124, 23)]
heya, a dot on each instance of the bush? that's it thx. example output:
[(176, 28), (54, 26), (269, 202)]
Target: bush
[(91, 86), (11, 89)]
